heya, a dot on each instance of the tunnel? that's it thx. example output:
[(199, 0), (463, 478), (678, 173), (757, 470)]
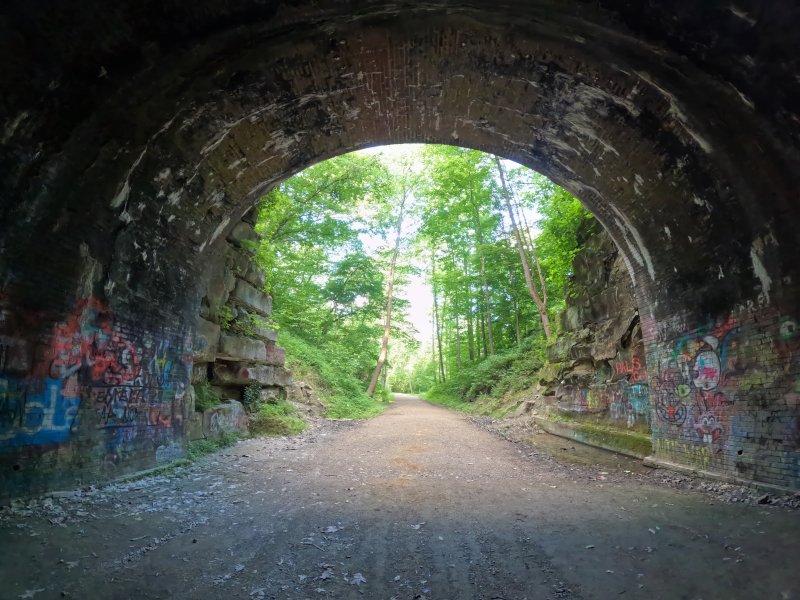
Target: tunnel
[(138, 136)]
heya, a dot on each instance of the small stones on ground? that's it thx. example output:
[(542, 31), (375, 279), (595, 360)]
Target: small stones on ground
[(357, 579)]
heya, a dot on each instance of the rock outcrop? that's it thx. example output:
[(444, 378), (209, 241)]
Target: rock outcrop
[(597, 367), (235, 349)]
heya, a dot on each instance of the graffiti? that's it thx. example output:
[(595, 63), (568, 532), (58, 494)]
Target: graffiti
[(682, 452), (632, 369), (135, 383), (788, 329), (630, 403), (687, 391), (226, 418), (168, 453), (35, 412)]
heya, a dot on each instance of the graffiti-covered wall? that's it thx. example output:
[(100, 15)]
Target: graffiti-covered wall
[(91, 390), (726, 395)]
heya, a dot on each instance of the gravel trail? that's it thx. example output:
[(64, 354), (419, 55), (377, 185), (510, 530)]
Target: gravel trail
[(418, 503)]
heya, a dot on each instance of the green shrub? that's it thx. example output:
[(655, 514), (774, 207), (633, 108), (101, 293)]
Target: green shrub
[(278, 418), (251, 397), (505, 372), (204, 396)]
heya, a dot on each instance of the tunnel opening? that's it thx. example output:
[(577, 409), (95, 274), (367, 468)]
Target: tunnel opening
[(669, 139)]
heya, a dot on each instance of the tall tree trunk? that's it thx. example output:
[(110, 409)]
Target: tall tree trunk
[(470, 332), (534, 255), (387, 324), (479, 231), (433, 347), (436, 317), (537, 300), (483, 336)]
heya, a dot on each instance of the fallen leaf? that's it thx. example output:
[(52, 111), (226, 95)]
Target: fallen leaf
[(357, 579)]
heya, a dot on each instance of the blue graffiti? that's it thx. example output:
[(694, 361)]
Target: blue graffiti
[(35, 412)]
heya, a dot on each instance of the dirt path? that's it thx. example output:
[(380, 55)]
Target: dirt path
[(417, 503)]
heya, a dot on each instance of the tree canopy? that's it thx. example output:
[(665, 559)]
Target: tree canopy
[(338, 260)]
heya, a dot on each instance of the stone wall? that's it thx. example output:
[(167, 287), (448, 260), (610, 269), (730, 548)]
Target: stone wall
[(720, 398), (235, 348), (94, 395)]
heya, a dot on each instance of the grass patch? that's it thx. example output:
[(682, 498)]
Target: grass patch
[(199, 448), (278, 418), (343, 395)]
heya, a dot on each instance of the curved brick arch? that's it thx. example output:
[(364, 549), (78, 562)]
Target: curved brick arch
[(130, 155)]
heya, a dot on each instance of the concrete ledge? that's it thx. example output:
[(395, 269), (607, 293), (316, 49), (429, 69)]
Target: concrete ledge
[(572, 431), (660, 463)]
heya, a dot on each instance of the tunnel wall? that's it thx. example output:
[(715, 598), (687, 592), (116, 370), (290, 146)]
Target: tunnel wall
[(90, 393), (132, 145)]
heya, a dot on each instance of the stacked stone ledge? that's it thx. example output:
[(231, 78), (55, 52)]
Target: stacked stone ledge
[(236, 342)]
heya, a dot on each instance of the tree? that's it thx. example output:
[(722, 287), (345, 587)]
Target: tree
[(539, 298), (387, 326)]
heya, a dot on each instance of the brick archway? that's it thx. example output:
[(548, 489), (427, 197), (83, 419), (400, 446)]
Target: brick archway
[(133, 147)]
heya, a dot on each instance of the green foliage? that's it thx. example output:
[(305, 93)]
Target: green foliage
[(506, 372), (204, 396), (197, 448), (560, 218), (225, 317), (329, 289), (251, 397), (276, 418), (341, 392)]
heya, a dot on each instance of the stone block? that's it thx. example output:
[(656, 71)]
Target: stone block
[(236, 374), (206, 340), (243, 236), (225, 418), (255, 276), (199, 372), (281, 376), (253, 325), (265, 375), (272, 393), (220, 284), (275, 355), (237, 348), (252, 298)]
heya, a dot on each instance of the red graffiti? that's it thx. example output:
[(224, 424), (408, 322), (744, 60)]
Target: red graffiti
[(632, 369)]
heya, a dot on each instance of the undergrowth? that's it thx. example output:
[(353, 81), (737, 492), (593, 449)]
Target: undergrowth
[(481, 388), (204, 396), (343, 395), (279, 418), (197, 448)]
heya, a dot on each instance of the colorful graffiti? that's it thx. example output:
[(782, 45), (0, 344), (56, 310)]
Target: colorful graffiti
[(727, 397), (122, 380), (632, 369), (35, 411), (688, 388), (621, 400)]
